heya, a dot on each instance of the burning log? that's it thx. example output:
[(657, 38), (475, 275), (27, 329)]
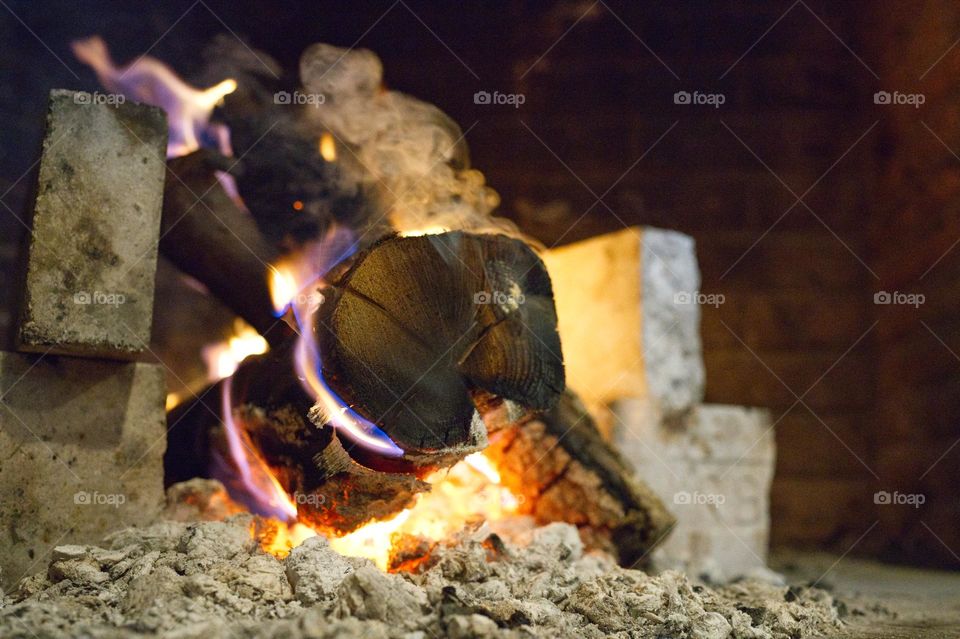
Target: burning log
[(419, 324), (565, 471), (409, 335), (210, 238), (263, 411)]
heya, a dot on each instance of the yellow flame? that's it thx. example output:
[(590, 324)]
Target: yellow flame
[(372, 541), (328, 147), (469, 491), (209, 98), (283, 285), (173, 399), (280, 540), (223, 358), (484, 466), (429, 230)]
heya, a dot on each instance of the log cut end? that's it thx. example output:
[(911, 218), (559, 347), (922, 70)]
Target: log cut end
[(417, 325)]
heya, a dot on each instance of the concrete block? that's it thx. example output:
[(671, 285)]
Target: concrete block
[(713, 467), (93, 246), (82, 446), (629, 317)]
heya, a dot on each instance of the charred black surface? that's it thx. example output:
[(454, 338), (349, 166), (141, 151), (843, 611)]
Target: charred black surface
[(206, 235), (293, 193), (416, 323)]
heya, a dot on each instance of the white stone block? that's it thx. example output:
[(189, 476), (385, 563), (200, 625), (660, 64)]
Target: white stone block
[(713, 468), (629, 317)]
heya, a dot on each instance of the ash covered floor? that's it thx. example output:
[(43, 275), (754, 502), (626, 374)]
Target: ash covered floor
[(188, 576), (898, 602)]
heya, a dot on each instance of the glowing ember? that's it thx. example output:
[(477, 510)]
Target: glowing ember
[(223, 358), (468, 492)]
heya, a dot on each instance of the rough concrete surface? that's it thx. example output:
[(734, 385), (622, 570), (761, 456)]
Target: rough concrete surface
[(93, 245), (671, 319), (713, 467), (83, 444)]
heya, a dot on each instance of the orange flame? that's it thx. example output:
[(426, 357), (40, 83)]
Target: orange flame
[(470, 491), (328, 147)]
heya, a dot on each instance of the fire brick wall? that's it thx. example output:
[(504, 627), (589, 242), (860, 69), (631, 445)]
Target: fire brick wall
[(749, 125), (914, 229), (795, 121)]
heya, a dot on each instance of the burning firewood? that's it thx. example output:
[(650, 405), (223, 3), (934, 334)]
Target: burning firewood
[(565, 471), (408, 352), (417, 324), (210, 238), (409, 334)]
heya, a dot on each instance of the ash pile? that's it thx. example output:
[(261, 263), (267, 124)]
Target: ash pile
[(211, 579)]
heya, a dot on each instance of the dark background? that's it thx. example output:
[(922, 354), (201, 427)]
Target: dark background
[(805, 197)]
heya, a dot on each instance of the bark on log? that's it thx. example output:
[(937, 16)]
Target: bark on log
[(565, 471)]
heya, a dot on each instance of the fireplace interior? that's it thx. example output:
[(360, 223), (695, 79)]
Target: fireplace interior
[(514, 319)]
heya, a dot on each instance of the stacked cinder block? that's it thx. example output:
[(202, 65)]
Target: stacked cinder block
[(628, 305), (82, 433)]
